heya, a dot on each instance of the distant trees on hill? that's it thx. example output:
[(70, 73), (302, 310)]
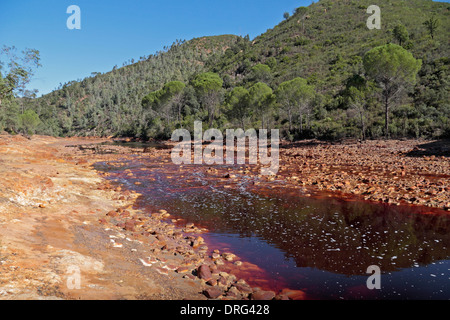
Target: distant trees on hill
[(306, 76)]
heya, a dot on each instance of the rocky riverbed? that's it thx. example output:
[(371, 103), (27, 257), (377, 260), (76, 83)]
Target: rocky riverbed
[(395, 172), (69, 233)]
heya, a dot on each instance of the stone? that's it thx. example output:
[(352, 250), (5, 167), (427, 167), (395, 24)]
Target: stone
[(130, 225), (219, 262), (161, 271), (200, 240), (189, 225), (204, 272), (212, 282), (233, 292), (197, 242), (243, 288), (262, 295), (222, 281), (281, 297), (125, 213), (213, 293), (189, 276), (293, 294), (182, 269), (112, 213), (228, 256)]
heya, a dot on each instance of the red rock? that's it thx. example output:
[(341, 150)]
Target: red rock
[(243, 288), (204, 272), (190, 225), (189, 276), (293, 294), (182, 269), (130, 225), (262, 295), (212, 293), (222, 281), (112, 214), (125, 213), (121, 225), (212, 282)]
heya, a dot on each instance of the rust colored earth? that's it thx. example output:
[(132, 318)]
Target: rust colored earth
[(68, 233)]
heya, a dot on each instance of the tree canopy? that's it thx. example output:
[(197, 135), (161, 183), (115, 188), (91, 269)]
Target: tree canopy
[(393, 68), (16, 71), (131, 100), (208, 86)]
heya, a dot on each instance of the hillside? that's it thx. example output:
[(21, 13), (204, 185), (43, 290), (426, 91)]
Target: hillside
[(324, 43), (111, 102)]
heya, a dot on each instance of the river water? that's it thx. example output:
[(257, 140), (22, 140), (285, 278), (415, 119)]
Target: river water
[(321, 245)]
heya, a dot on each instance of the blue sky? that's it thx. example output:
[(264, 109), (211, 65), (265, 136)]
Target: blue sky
[(115, 31)]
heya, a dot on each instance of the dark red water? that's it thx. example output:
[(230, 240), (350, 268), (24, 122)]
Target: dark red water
[(322, 246)]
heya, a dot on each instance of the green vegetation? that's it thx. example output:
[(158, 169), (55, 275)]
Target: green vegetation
[(208, 86), (260, 99), (401, 34), (15, 73), (293, 95), (392, 68), (431, 25), (319, 73)]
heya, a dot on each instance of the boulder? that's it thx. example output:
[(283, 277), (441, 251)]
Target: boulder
[(204, 272), (262, 295)]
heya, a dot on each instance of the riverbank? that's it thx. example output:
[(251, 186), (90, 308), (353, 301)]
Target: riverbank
[(62, 219), (397, 172), (67, 233), (52, 244)]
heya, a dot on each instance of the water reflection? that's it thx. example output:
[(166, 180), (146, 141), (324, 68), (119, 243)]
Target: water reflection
[(323, 245)]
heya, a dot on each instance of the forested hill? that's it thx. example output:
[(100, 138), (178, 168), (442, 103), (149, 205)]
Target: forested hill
[(110, 103), (322, 47), (326, 41)]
